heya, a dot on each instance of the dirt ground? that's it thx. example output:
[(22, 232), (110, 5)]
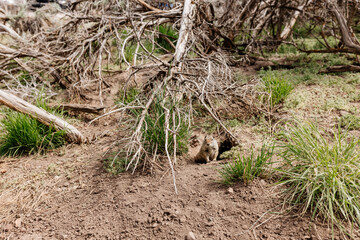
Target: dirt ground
[(79, 200), (67, 194)]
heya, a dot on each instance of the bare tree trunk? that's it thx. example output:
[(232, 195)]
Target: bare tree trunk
[(290, 24), (263, 16), (46, 118), (348, 38), (187, 19)]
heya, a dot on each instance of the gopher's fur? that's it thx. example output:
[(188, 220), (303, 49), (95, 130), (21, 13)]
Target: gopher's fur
[(209, 150)]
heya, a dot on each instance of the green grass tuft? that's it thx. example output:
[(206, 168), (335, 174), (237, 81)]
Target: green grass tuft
[(278, 88), (170, 33), (25, 135), (154, 131), (129, 96), (322, 176), (130, 49), (247, 168)]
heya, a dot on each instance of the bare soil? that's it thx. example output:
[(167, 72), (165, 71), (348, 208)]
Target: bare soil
[(79, 200), (67, 194)]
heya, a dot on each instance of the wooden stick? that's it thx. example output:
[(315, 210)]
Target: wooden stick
[(148, 6), (40, 114)]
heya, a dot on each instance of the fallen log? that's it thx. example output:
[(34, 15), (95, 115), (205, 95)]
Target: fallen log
[(341, 68), (18, 104), (79, 108)]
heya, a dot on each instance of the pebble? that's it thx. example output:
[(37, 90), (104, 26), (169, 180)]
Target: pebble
[(182, 219), (2, 171), (190, 236), (18, 223), (230, 190)]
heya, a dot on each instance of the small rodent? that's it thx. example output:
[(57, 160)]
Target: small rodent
[(209, 150)]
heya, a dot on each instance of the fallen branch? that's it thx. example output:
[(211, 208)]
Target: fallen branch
[(148, 6), (79, 108), (43, 116), (341, 68)]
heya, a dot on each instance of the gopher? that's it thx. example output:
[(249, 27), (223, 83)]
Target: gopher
[(209, 150)]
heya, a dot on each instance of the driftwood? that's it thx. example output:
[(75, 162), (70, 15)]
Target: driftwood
[(341, 68), (43, 116), (78, 107)]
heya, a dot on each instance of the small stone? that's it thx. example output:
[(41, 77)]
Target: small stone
[(190, 236), (230, 190), (182, 219), (18, 223), (2, 171)]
